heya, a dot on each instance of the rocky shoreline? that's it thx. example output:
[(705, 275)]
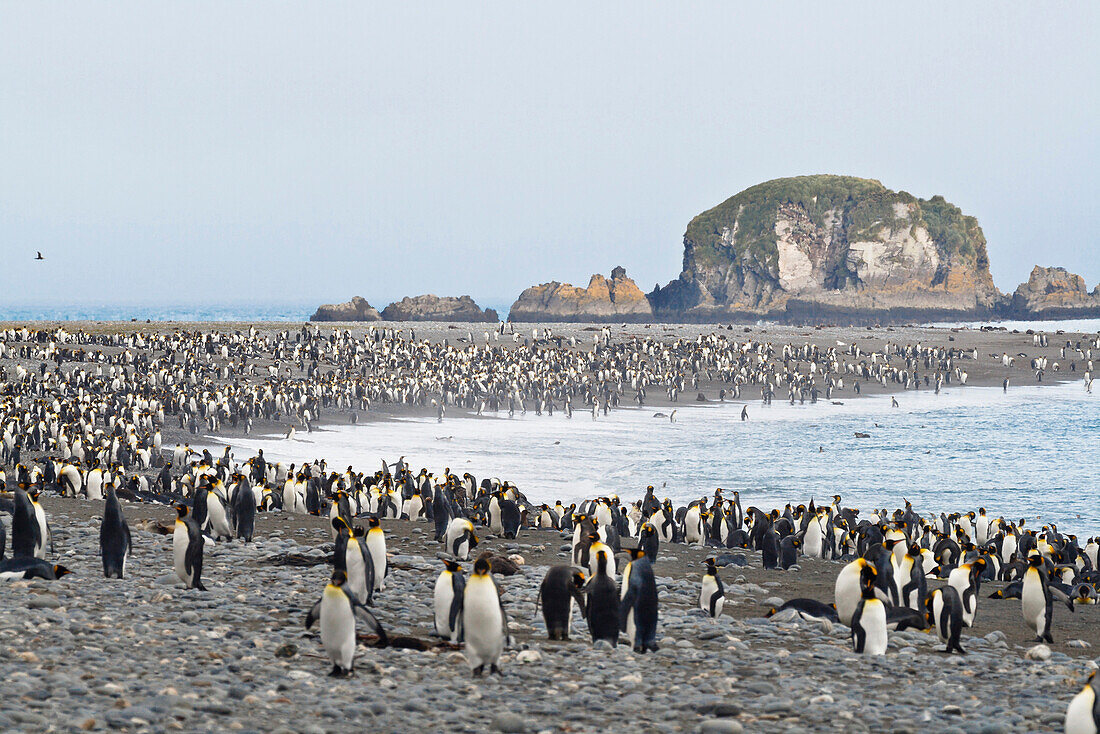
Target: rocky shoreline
[(143, 654)]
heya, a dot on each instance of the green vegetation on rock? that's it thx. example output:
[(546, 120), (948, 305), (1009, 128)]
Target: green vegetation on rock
[(865, 206)]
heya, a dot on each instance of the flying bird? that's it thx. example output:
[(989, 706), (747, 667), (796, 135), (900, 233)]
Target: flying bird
[(39, 256)]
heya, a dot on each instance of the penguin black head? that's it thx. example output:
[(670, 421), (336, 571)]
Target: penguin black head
[(59, 571), (181, 510), (452, 566), (710, 565), (374, 522), (1035, 560), (482, 567), (339, 577), (636, 553), (578, 578), (338, 523)]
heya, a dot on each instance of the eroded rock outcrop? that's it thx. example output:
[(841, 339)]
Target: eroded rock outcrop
[(357, 309), (1055, 293), (830, 248), (431, 307), (616, 298)]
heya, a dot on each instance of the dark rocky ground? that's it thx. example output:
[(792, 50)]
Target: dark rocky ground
[(143, 654)]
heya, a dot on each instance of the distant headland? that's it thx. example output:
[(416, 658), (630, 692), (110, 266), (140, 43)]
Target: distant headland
[(807, 249)]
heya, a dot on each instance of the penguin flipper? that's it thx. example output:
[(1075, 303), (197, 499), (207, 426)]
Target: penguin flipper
[(458, 586), (365, 615), (313, 614)]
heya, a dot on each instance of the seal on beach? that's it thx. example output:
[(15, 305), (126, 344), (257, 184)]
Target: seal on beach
[(447, 601), (114, 537), (187, 547), (484, 623), (561, 586), (337, 611), (712, 594)]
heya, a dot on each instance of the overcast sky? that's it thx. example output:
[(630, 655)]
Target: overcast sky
[(315, 151)]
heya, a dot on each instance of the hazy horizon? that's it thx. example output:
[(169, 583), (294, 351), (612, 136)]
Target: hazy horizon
[(205, 153)]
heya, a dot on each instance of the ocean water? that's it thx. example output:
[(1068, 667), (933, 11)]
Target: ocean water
[(241, 312), (1083, 326), (1033, 452)]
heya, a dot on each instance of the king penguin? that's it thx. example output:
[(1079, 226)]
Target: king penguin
[(187, 546), (1036, 599), (376, 546), (449, 588), (26, 536), (561, 587), (484, 624), (711, 596), (602, 610), (640, 600), (1083, 713), (869, 619), (460, 538), (337, 610), (114, 537), (945, 613), (351, 556)]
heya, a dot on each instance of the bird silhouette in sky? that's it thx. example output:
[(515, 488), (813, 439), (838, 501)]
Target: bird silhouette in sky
[(39, 256)]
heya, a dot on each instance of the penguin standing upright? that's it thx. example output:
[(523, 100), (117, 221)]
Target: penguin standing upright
[(560, 587), (337, 610), (711, 595), (216, 514), (869, 619), (376, 546), (1036, 599), (447, 601), (910, 580), (1083, 712), (640, 598), (244, 510), (26, 534), (847, 591), (351, 556), (602, 605), (945, 613), (44, 535), (187, 546), (648, 540), (484, 623), (114, 537)]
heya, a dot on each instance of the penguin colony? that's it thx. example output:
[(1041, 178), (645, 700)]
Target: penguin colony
[(95, 432)]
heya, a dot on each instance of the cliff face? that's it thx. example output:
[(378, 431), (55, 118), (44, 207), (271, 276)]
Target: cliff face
[(1055, 293), (435, 308), (829, 247), (357, 309), (605, 299)]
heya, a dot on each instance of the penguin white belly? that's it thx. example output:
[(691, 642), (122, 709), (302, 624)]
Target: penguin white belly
[(1034, 604), (43, 531), (357, 570), (180, 541), (218, 521), (376, 544), (847, 594), (443, 599), (482, 623), (709, 589), (874, 626), (338, 629), (812, 545), (1079, 713)]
